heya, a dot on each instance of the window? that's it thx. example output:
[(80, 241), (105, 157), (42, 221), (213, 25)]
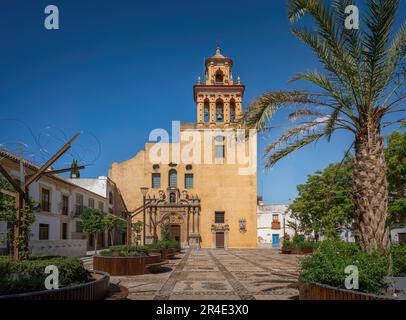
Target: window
[(45, 201), (172, 197), (219, 111), (189, 181), (189, 167), (232, 112), (219, 217), (64, 231), (43, 231), (173, 178), (219, 76), (65, 205), (206, 111), (101, 206), (219, 147), (156, 180), (79, 227), (91, 203), (275, 218), (79, 204), (110, 197), (219, 151), (155, 167)]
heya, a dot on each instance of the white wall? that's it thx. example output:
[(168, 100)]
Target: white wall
[(264, 223), (54, 226), (394, 234), (70, 248)]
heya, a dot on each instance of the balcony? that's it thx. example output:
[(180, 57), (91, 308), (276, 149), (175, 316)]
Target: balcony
[(78, 210), (276, 225)]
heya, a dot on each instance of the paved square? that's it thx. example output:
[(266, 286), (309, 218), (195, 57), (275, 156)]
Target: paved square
[(232, 274)]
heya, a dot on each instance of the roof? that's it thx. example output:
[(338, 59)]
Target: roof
[(218, 57), (31, 165)]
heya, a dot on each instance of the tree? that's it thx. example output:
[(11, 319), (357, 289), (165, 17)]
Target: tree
[(120, 225), (395, 155), (324, 205), (8, 215), (361, 84), (137, 228), (93, 223), (109, 225)]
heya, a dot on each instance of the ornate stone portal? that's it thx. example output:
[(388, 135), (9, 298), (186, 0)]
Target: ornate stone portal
[(177, 212)]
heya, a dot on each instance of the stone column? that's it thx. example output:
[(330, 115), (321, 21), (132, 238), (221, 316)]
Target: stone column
[(193, 222), (197, 219), (212, 113), (238, 110), (187, 226), (226, 113), (200, 114)]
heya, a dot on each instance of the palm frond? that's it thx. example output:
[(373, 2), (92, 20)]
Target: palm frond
[(305, 129), (303, 113), (272, 158), (379, 20), (329, 31), (261, 109)]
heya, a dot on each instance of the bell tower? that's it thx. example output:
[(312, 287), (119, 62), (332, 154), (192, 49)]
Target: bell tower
[(219, 98)]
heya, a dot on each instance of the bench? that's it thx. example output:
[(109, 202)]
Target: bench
[(155, 267)]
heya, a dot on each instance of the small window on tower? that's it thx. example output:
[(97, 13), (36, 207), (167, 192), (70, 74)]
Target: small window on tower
[(219, 111), (219, 76), (206, 112), (232, 111)]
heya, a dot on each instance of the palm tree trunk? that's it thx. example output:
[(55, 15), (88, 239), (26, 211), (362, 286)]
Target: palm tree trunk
[(370, 189)]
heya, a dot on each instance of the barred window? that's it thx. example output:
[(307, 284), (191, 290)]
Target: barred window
[(156, 180), (189, 181), (173, 178)]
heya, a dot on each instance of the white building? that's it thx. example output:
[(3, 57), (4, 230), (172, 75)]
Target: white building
[(272, 222), (57, 229)]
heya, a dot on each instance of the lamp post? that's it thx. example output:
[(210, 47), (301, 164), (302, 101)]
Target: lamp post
[(284, 230), (144, 191)]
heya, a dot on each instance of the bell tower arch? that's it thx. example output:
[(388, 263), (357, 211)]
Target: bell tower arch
[(218, 98)]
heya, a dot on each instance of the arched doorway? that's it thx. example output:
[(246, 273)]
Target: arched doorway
[(174, 232)]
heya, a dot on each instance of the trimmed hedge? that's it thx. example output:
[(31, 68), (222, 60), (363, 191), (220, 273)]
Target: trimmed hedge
[(164, 244), (125, 251), (327, 264), (138, 251), (299, 242), (29, 275)]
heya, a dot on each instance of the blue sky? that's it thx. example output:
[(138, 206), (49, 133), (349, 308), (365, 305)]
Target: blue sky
[(118, 69)]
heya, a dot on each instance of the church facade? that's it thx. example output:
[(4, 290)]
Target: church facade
[(201, 187)]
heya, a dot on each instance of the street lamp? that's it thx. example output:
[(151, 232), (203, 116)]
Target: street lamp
[(284, 230), (144, 191)]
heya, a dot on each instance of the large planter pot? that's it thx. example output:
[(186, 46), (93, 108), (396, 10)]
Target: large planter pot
[(93, 290), (168, 253), (296, 250), (121, 266), (318, 291), (165, 253)]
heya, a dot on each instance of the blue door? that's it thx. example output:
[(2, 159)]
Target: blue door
[(275, 240)]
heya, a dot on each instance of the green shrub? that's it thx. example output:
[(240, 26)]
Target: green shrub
[(164, 244), (29, 275), (327, 264), (299, 244), (126, 251), (398, 255)]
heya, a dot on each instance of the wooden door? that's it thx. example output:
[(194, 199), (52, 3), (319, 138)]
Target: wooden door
[(174, 232), (219, 239)]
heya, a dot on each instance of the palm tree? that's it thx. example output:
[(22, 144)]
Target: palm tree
[(360, 85)]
